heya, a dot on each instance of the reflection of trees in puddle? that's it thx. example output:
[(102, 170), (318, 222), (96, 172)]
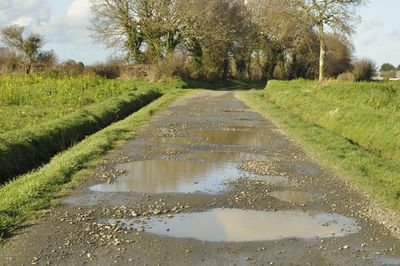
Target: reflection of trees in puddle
[(237, 137), (157, 176), (231, 156)]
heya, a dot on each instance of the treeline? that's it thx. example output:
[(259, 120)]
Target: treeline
[(218, 39)]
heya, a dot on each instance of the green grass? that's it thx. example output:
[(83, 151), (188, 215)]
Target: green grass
[(364, 113), (29, 100), (96, 103), (284, 104), (21, 198), (23, 150)]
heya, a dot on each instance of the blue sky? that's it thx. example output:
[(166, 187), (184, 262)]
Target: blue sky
[(378, 34), (64, 24)]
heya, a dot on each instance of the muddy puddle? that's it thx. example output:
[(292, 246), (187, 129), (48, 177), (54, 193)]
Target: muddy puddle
[(229, 156), (236, 225), (234, 137), (388, 260), (180, 140), (172, 176), (293, 196)]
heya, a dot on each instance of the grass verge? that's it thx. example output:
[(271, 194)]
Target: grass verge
[(24, 150), (364, 113), (20, 198), (372, 173)]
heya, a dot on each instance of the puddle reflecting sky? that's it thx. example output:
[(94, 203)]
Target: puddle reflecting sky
[(231, 156), (234, 137), (163, 176), (388, 260), (236, 225)]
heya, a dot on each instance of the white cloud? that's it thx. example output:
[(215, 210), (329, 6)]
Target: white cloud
[(4, 5), (64, 30), (23, 21), (79, 11), (394, 35), (19, 10)]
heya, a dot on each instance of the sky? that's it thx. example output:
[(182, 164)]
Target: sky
[(64, 25)]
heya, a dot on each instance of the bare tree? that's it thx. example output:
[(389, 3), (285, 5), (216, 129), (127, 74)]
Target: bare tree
[(146, 29), (334, 14), (28, 47)]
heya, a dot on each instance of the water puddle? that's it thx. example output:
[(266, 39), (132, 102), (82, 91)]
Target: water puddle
[(231, 156), (293, 196), (234, 137), (171, 176), (388, 261), (236, 225), (180, 140)]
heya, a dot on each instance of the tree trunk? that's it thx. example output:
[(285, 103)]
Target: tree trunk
[(225, 69), (322, 52), (29, 66)]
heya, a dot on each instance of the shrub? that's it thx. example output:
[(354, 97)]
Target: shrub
[(347, 76), (110, 70), (135, 71), (72, 68), (364, 69), (173, 66)]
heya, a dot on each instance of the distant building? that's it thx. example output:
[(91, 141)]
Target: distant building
[(397, 76), (378, 76)]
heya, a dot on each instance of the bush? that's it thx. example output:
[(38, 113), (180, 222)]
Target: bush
[(110, 70), (135, 71), (348, 76), (364, 69), (72, 68), (173, 66)]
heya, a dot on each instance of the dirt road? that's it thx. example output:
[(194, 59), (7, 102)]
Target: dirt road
[(207, 182)]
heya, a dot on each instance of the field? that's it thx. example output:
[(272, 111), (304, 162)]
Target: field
[(353, 127), (27, 101)]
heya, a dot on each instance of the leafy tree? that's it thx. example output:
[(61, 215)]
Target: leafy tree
[(28, 47), (387, 67), (398, 68), (364, 70), (323, 14)]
